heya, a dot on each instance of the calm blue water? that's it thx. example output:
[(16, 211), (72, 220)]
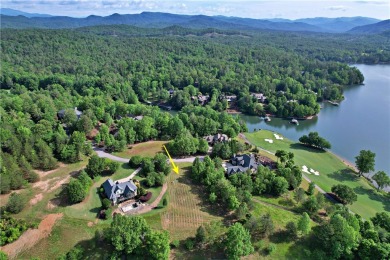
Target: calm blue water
[(361, 122)]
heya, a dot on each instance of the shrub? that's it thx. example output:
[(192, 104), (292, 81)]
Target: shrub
[(146, 197), (32, 177), (135, 161), (189, 243), (175, 243), (11, 229), (271, 248), (310, 190), (76, 191), (3, 256), (108, 213), (165, 202), (15, 203), (106, 203)]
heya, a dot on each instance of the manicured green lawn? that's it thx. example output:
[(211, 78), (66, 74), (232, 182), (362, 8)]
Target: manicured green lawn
[(332, 172)]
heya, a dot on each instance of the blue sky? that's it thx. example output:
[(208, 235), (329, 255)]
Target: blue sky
[(290, 9)]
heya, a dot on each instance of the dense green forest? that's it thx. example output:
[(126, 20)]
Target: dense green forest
[(107, 71)]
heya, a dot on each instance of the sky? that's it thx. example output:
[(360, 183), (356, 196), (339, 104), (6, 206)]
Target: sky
[(289, 9)]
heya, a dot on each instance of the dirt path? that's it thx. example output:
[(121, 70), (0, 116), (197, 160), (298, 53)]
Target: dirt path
[(31, 236), (45, 173)]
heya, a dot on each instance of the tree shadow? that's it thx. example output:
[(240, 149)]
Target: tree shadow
[(299, 146), (97, 247), (374, 195), (344, 175), (61, 198), (280, 236)]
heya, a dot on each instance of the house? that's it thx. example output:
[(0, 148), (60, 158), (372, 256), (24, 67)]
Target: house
[(259, 96), (118, 192), (217, 138), (61, 113), (230, 98), (241, 163), (138, 118), (202, 99)]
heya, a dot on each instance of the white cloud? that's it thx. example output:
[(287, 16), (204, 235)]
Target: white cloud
[(337, 8)]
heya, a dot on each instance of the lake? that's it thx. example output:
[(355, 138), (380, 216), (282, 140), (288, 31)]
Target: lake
[(361, 122)]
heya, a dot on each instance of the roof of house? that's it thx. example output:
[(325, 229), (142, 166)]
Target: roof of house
[(241, 163), (76, 111), (138, 117), (216, 138), (110, 187)]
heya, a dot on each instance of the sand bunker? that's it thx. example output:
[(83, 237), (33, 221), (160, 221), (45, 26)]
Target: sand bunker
[(306, 170), (278, 137), (269, 140)]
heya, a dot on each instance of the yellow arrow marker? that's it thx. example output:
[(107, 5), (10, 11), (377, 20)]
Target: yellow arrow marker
[(175, 167)]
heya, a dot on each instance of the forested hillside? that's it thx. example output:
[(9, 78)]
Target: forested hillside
[(106, 71)]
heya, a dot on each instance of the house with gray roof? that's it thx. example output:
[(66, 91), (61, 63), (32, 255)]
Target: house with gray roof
[(241, 163), (118, 192), (61, 113)]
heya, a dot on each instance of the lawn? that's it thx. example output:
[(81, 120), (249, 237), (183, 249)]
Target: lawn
[(67, 233), (147, 149), (332, 172), (285, 249), (90, 206)]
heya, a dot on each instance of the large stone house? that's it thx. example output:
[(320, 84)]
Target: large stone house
[(118, 192), (217, 138), (241, 163)]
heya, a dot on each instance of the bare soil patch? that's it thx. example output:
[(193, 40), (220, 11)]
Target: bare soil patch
[(31, 236), (38, 197), (45, 173)]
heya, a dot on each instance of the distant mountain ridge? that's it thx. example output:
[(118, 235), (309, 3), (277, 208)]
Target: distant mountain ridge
[(13, 12), (161, 20), (383, 26)]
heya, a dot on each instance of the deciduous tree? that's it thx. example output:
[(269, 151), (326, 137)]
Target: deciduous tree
[(238, 242), (382, 179), (365, 161)]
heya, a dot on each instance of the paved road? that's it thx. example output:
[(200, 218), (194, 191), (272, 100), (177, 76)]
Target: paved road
[(101, 153)]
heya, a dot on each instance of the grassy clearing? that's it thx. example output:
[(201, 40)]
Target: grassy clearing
[(285, 249), (66, 234), (187, 208), (332, 172), (147, 149)]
